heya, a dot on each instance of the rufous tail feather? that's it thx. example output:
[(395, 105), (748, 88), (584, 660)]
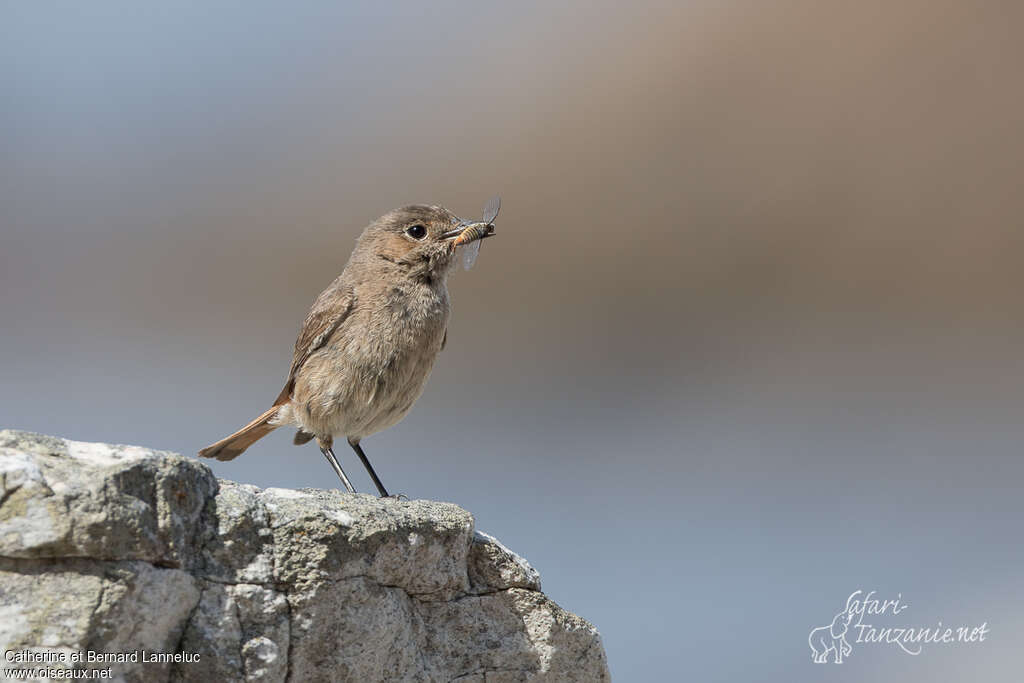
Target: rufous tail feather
[(233, 446)]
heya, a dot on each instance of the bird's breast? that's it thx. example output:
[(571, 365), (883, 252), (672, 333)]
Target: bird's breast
[(369, 375)]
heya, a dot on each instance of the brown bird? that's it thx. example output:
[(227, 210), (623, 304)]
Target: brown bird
[(367, 346)]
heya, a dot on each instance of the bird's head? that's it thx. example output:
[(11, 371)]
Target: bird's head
[(418, 240)]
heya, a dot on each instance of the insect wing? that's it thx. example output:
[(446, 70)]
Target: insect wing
[(469, 254), (491, 210)]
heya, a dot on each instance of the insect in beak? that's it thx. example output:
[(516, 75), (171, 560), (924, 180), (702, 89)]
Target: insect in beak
[(473, 232)]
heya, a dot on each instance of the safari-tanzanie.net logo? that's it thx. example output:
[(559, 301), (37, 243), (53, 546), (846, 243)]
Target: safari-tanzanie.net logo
[(867, 619)]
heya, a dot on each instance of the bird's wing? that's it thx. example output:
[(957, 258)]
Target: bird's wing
[(329, 310)]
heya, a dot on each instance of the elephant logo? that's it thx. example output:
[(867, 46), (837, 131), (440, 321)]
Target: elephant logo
[(832, 638)]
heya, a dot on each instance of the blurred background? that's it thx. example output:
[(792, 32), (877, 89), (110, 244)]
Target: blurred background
[(749, 338)]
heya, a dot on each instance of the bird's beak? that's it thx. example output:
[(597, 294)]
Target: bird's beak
[(469, 231)]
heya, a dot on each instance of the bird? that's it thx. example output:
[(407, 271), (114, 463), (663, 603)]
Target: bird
[(368, 344)]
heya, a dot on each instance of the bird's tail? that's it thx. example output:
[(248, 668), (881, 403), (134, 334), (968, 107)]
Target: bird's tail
[(233, 446)]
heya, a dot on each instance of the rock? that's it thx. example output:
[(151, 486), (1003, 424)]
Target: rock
[(70, 499), (493, 567), (125, 553), (82, 605)]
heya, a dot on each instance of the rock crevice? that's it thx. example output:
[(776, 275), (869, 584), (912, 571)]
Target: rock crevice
[(122, 549)]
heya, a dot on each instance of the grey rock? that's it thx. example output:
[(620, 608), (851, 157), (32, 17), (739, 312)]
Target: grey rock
[(83, 605), (125, 550), (239, 543), (493, 567), (240, 632), (71, 499), (418, 546)]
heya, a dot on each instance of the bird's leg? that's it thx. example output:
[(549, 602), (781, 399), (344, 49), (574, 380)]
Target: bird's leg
[(328, 452), (369, 468)]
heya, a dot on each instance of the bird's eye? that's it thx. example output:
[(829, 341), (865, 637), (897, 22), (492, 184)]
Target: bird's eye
[(417, 232)]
